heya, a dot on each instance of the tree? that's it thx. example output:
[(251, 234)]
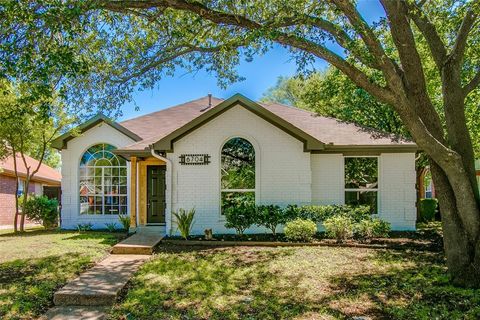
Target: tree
[(135, 43), (27, 130)]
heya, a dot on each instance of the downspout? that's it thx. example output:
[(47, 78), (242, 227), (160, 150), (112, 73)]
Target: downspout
[(169, 183)]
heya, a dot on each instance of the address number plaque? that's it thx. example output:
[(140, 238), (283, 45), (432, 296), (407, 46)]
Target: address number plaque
[(195, 159)]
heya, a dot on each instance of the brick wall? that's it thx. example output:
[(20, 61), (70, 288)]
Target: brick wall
[(7, 198)]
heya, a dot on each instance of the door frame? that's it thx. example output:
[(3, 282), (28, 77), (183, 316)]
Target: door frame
[(164, 192)]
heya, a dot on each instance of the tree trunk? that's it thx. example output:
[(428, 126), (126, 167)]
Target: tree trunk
[(15, 216), (25, 198), (462, 252)]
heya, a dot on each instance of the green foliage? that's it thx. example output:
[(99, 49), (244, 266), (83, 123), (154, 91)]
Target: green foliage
[(428, 209), (125, 221), (321, 213), (85, 226), (111, 226), (184, 221), (240, 214), (300, 230), (339, 227), (43, 210), (371, 228), (270, 216)]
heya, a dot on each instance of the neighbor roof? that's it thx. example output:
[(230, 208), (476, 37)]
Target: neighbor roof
[(319, 134), (45, 173)]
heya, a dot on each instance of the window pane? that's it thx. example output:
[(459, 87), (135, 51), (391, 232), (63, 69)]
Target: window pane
[(238, 165), (230, 199), (99, 176), (368, 198), (361, 173)]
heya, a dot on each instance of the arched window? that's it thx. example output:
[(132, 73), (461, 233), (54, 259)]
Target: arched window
[(103, 181), (237, 172)]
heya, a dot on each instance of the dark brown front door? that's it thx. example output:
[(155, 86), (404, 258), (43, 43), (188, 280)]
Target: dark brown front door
[(156, 194)]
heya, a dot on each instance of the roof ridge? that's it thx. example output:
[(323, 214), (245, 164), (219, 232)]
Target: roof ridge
[(171, 107)]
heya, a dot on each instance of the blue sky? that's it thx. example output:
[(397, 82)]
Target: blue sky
[(260, 74)]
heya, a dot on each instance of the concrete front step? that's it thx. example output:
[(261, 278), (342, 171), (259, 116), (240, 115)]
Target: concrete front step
[(100, 285), (141, 242)]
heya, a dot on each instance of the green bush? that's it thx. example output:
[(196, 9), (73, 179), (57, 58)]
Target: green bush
[(270, 216), (125, 221), (381, 228), (428, 208), (364, 229), (321, 213), (111, 226), (300, 230), (184, 221), (240, 215), (42, 210), (340, 227)]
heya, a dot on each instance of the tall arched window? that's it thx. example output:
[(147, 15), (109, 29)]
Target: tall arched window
[(103, 181), (237, 172)]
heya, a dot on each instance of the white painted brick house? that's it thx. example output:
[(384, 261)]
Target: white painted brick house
[(181, 157)]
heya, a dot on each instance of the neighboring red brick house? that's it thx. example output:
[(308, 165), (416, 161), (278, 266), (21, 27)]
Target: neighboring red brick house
[(45, 177)]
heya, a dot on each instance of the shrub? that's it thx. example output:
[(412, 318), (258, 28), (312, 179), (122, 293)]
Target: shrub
[(381, 228), (84, 226), (300, 230), (42, 210), (339, 227), (270, 216), (240, 215), (365, 229), (125, 221), (321, 213), (184, 221), (428, 208), (111, 227)]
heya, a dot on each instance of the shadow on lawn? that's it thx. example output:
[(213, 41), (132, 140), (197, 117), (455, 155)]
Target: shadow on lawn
[(106, 238), (239, 283), (27, 285)]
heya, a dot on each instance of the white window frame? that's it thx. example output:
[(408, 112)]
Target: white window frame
[(103, 195), (254, 190), (377, 189)]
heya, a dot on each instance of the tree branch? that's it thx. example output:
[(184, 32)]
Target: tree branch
[(462, 36), (472, 85), (429, 31)]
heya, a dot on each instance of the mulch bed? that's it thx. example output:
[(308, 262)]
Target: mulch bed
[(398, 240)]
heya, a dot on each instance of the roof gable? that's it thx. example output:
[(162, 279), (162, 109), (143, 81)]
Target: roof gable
[(61, 142), (310, 142)]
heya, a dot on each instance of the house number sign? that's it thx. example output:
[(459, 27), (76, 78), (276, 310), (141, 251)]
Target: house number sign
[(194, 159)]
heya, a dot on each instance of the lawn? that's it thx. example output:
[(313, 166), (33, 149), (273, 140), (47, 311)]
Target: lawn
[(295, 283), (35, 264)]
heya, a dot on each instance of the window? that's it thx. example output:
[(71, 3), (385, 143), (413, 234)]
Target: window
[(237, 172), (103, 181), (361, 181)]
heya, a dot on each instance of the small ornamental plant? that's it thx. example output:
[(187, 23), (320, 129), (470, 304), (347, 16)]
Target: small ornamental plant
[(300, 230), (270, 216), (184, 221), (125, 221), (339, 227)]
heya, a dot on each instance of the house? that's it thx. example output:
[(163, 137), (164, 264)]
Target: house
[(208, 153), (45, 181)]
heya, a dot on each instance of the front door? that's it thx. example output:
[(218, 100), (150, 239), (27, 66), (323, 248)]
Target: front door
[(156, 194)]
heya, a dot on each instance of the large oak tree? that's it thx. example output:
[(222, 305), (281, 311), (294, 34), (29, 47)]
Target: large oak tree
[(98, 52)]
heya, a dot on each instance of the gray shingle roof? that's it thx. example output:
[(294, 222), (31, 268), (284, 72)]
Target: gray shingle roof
[(157, 125)]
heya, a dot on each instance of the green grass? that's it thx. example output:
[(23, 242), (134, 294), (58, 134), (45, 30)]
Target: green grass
[(295, 283), (35, 264)]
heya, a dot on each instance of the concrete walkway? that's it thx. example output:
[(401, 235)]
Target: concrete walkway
[(142, 242), (83, 297)]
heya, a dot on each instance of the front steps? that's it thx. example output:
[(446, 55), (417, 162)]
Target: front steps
[(100, 285), (143, 241)]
